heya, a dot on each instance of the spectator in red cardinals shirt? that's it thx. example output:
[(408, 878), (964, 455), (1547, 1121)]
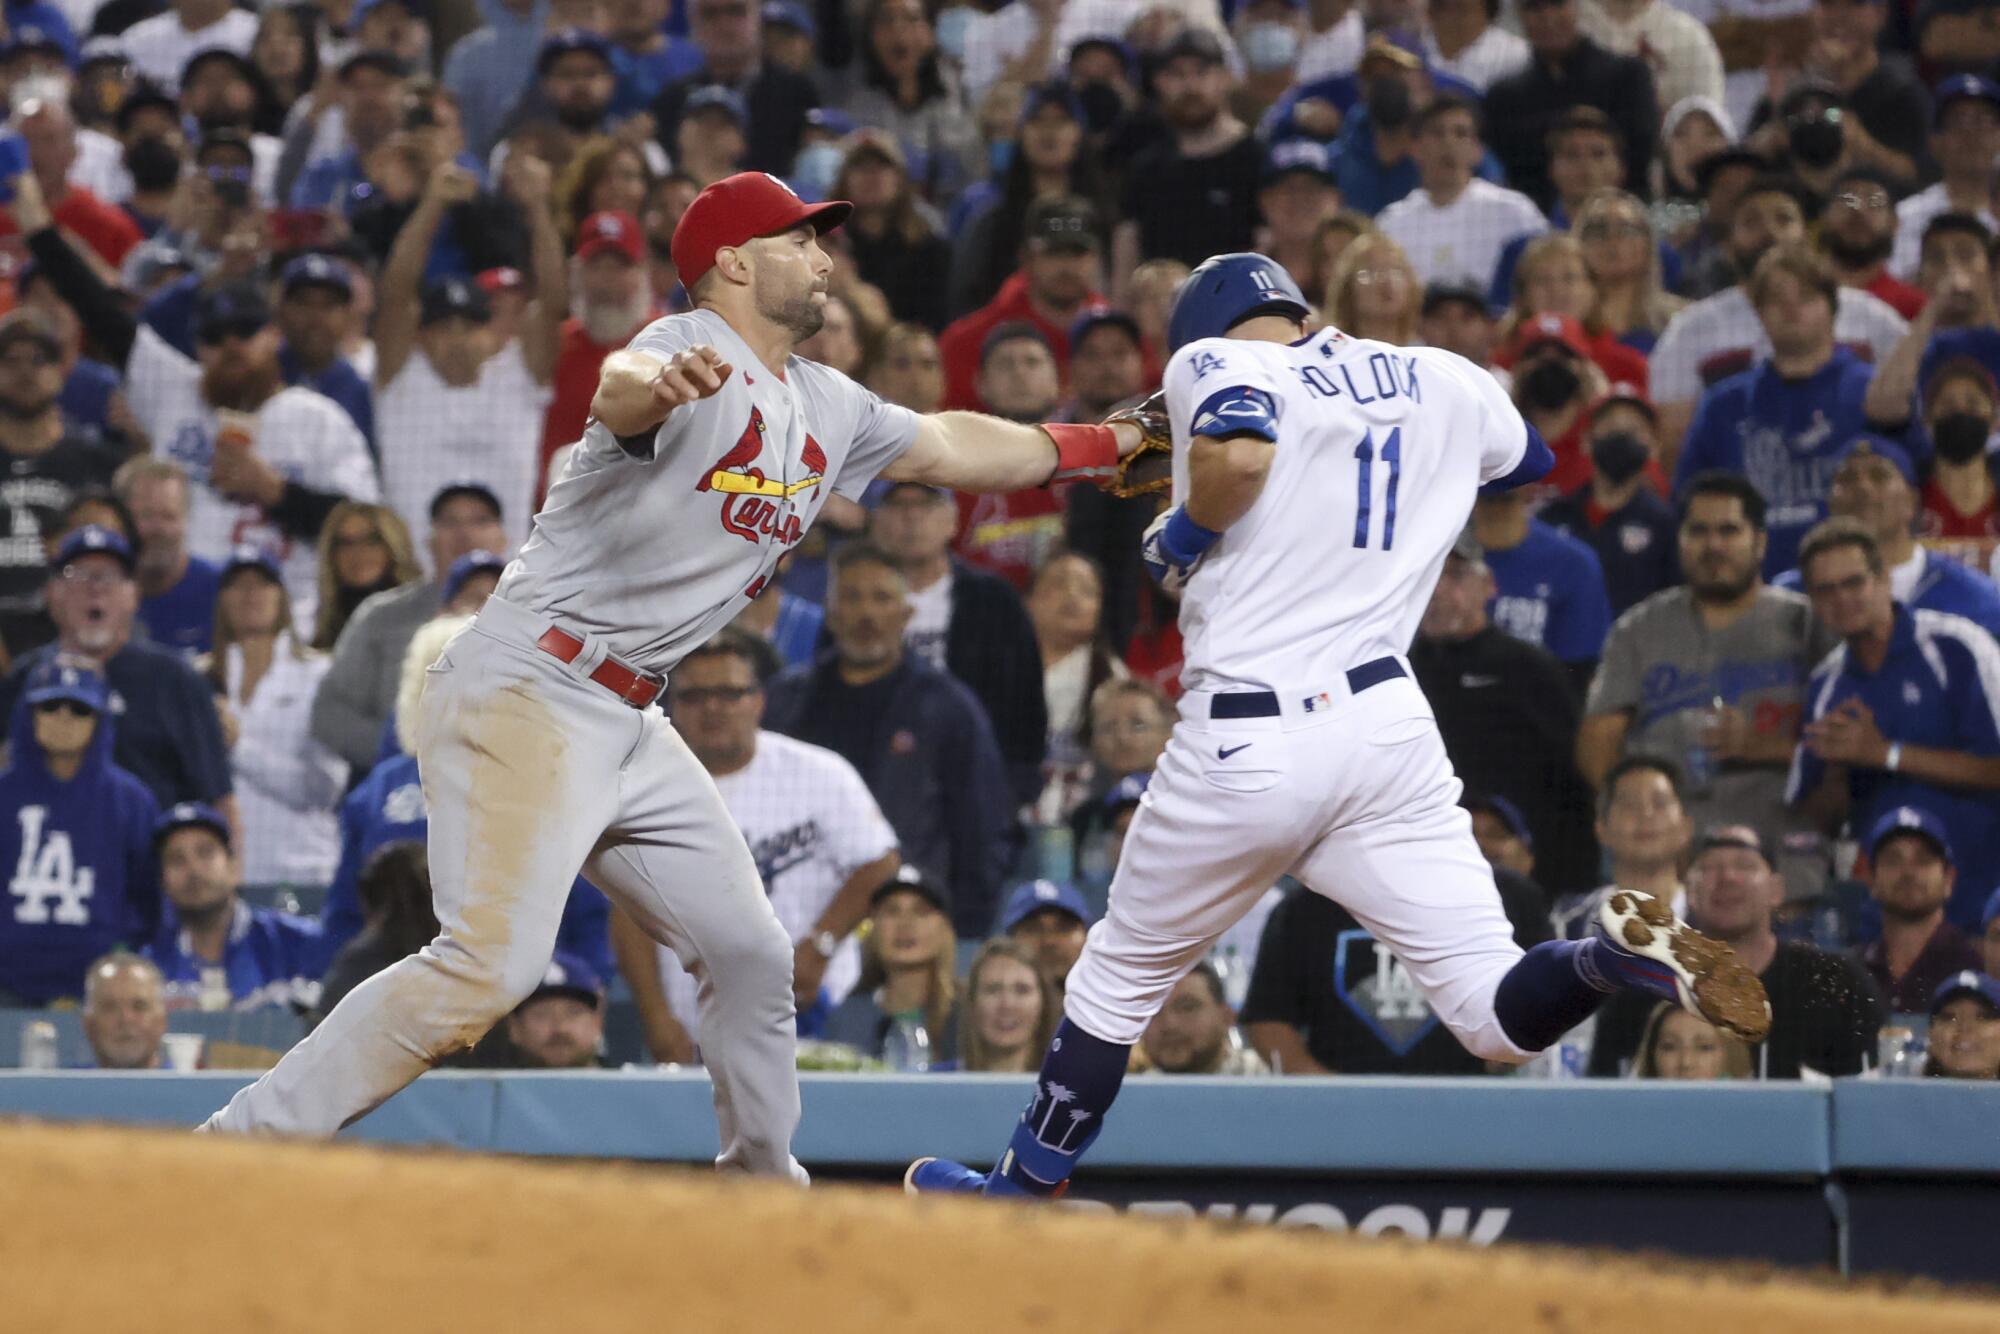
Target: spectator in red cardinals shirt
[(1061, 266), (1011, 533), (611, 301)]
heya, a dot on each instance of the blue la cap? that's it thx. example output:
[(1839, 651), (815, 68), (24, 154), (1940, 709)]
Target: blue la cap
[(1883, 449), (832, 120), (190, 815), (715, 97), (251, 557), (1127, 791), (1055, 92), (1961, 86), (1911, 820), (92, 540), (316, 271), (1506, 812), (1293, 156), (453, 299), (1967, 983), (64, 677), (231, 308), (790, 14), (565, 40), (570, 975), (462, 569), (26, 38), (1097, 316), (1031, 898)]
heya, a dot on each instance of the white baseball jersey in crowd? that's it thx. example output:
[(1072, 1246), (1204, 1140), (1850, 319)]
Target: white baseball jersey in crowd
[(1304, 745), (810, 823)]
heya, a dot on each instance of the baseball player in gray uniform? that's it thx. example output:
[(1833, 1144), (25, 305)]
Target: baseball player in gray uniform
[(710, 451)]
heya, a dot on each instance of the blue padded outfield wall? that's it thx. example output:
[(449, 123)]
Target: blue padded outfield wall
[(1863, 1176)]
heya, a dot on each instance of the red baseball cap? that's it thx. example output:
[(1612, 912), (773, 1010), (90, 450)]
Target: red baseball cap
[(1626, 392), (741, 208), (613, 230), (1548, 328)]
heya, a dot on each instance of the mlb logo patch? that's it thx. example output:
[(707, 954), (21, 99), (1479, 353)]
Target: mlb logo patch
[(1320, 701)]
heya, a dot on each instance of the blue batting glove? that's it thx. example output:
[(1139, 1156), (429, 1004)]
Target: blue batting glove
[(1173, 547)]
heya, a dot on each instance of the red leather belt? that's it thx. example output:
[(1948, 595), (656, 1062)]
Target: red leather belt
[(636, 688)]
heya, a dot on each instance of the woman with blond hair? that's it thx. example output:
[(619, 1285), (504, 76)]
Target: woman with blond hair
[(1009, 1014), (364, 549), (1375, 292), (908, 976), (287, 784), (1623, 261), (1551, 279)]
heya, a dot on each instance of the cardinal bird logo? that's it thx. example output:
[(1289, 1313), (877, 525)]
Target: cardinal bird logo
[(756, 506)]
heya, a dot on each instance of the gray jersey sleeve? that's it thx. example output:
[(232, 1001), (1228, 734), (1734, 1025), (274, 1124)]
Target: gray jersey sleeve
[(882, 431), (663, 338), (1618, 685)]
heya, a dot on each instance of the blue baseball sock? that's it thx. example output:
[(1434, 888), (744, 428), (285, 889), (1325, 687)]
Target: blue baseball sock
[(1079, 1080), (1556, 986)]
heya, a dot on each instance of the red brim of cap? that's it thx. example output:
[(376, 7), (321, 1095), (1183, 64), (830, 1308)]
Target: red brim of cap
[(596, 246)]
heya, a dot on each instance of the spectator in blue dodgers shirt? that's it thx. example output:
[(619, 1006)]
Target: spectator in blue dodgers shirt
[(489, 68), (1964, 1039), (264, 676), (1965, 140), (1721, 334), (168, 735), (1786, 423), (729, 37), (560, 1026), (267, 461), (77, 831), (388, 807), (920, 740), (176, 590), (1905, 712), (1548, 589), (45, 463), (820, 843), (314, 311), (1909, 872), (216, 951), (1876, 486), (1710, 677), (1618, 513), (644, 56), (1454, 226)]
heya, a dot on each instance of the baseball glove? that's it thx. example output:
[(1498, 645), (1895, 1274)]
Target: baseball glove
[(1150, 467)]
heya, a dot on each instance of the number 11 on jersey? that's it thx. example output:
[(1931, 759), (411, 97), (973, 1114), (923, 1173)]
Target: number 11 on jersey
[(1365, 453)]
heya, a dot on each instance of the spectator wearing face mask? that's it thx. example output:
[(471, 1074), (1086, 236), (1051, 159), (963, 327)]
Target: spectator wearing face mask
[(1618, 513), (1880, 103), (1955, 276), (1961, 506)]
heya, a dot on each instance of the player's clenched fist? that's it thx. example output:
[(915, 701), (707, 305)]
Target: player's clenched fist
[(687, 376)]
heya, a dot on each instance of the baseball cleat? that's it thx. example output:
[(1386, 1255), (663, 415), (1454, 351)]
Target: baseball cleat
[(1649, 949), (942, 1176)]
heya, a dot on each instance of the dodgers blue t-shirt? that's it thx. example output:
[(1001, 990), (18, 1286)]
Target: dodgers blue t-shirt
[(183, 617), (1550, 592), (1786, 436)]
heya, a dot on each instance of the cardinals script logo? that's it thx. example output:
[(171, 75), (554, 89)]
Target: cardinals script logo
[(755, 506)]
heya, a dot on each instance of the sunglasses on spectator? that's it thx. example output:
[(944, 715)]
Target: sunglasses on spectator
[(698, 695), (48, 708), (224, 330)]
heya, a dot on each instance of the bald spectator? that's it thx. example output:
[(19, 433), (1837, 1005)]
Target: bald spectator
[(124, 1012), (1824, 1010)]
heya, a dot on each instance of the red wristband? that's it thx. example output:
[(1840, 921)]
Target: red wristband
[(1083, 453)]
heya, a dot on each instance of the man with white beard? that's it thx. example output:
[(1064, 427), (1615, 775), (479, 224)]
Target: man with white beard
[(610, 300)]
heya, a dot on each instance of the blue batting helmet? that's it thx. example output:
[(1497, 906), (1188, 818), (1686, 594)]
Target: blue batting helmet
[(1225, 291)]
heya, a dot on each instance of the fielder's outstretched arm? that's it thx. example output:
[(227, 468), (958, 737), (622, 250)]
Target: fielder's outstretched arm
[(970, 451)]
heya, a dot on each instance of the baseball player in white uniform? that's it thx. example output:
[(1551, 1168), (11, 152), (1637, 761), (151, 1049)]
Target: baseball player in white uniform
[(1318, 483), (710, 450)]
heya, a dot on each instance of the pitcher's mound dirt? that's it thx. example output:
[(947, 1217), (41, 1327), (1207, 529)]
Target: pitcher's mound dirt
[(113, 1230)]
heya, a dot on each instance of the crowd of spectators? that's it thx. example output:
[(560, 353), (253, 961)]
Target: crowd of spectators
[(301, 307)]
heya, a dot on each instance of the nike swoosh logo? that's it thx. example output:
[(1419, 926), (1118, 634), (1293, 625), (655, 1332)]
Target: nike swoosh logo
[(1224, 752)]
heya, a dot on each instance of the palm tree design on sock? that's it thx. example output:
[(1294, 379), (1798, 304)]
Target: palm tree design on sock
[(1058, 1094), (1077, 1116)]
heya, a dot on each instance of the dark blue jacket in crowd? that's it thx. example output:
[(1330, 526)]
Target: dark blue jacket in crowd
[(85, 399), (1638, 545), (1945, 585), (1939, 686), (1550, 591), (923, 745), (170, 314), (1786, 436), (388, 807), (183, 617), (270, 958), (168, 735), (79, 860)]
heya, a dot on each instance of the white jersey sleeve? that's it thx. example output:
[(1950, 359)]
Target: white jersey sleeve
[(337, 457), (1219, 386), (158, 378), (663, 338), (1503, 434), (882, 431)]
